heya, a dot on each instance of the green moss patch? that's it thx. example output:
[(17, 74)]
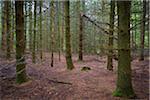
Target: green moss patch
[(117, 93)]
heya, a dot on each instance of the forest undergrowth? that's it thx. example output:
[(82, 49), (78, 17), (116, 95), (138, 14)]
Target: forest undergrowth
[(58, 83)]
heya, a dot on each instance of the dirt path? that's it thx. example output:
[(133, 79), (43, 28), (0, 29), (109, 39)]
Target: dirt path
[(57, 83)]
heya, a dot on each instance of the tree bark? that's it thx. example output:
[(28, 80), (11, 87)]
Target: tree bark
[(81, 25), (124, 80), (4, 27), (81, 38), (110, 42), (8, 31), (34, 34), (41, 41), (30, 26), (25, 21), (143, 31), (52, 23), (20, 43), (69, 62)]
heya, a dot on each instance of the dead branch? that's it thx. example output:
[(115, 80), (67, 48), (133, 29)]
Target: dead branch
[(93, 22), (60, 82)]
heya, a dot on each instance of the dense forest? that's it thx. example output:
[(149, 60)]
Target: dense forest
[(74, 49)]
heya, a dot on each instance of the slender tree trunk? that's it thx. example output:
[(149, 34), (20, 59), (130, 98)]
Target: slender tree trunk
[(12, 27), (30, 26), (41, 41), (110, 42), (70, 65), (52, 32), (20, 43), (124, 81), (143, 31), (63, 30), (59, 29), (4, 27), (25, 21), (8, 31), (81, 28), (34, 34), (135, 32), (81, 38), (148, 29)]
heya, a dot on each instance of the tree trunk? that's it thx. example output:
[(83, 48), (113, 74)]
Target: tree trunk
[(30, 26), (12, 27), (34, 34), (70, 65), (124, 81), (110, 42), (135, 31), (4, 27), (25, 21), (52, 23), (81, 28), (59, 30), (143, 31), (81, 38), (41, 41), (20, 43), (8, 31), (62, 29), (148, 11)]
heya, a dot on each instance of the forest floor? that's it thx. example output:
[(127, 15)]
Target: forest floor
[(58, 83)]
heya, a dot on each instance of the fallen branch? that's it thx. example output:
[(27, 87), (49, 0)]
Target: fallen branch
[(60, 82)]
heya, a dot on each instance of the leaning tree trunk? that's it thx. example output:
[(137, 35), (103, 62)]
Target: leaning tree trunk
[(143, 31), (20, 43), (124, 81), (110, 42), (70, 65)]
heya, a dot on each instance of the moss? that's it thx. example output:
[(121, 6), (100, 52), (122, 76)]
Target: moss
[(21, 79), (117, 93), (21, 74), (85, 68)]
